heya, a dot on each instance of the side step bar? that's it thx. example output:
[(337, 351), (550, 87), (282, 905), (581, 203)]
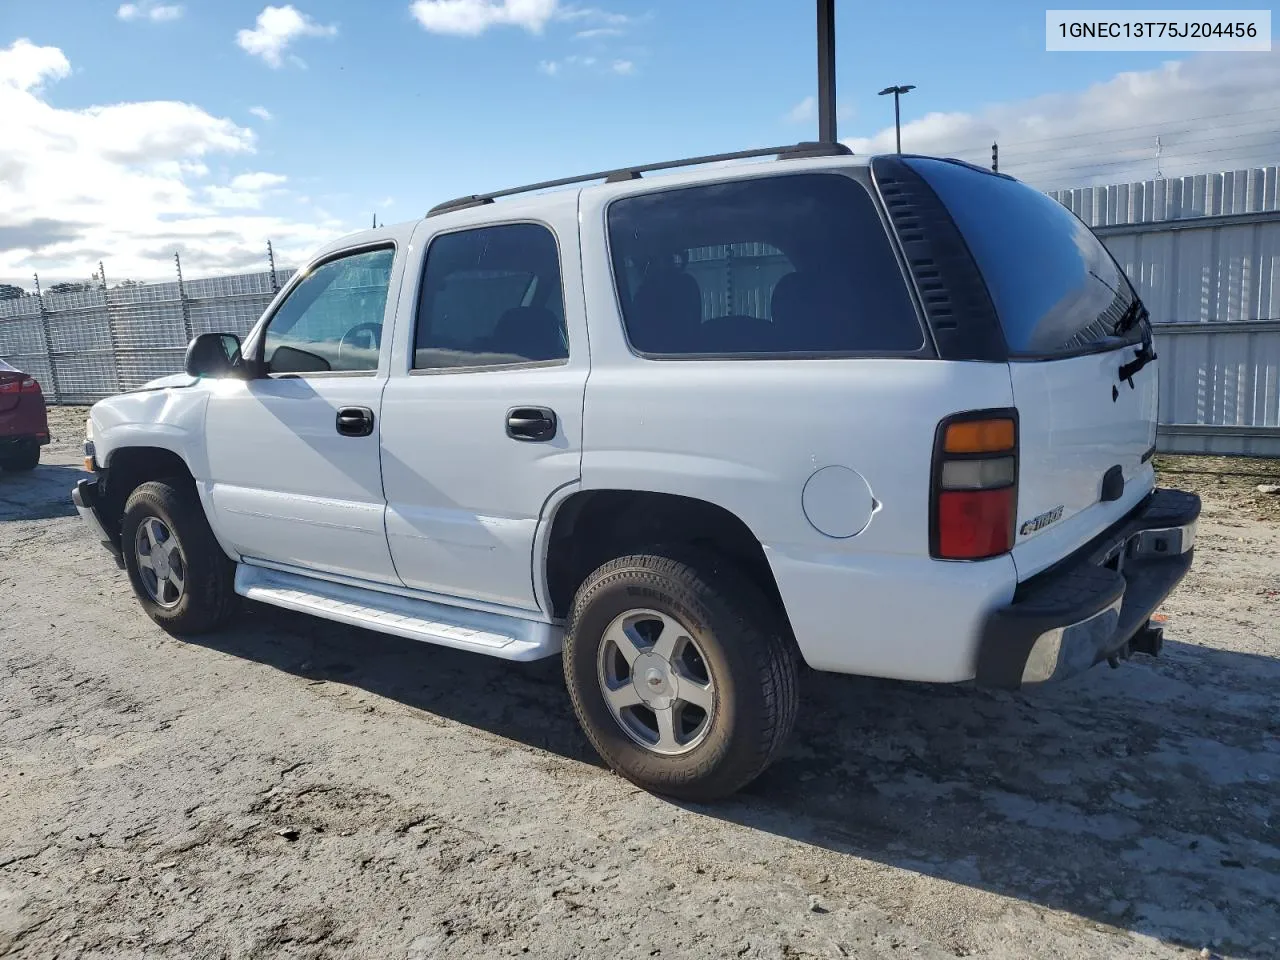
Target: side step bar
[(511, 638)]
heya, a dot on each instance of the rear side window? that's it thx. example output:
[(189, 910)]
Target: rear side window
[(491, 296), (1056, 288), (768, 266)]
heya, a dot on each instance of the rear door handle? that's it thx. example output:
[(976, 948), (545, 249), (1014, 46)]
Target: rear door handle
[(531, 424), (355, 421)]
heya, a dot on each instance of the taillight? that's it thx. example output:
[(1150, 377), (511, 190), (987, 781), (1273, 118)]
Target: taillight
[(22, 385), (975, 485)]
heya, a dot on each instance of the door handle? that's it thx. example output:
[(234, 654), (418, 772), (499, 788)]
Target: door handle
[(355, 421), (531, 424)]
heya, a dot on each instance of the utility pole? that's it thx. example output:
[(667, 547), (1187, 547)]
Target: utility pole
[(827, 71), (897, 92)]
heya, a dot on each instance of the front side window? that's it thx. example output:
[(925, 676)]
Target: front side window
[(783, 265), (332, 320), (491, 296)]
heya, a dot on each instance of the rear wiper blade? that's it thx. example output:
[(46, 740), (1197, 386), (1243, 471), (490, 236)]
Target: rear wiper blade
[(1134, 313)]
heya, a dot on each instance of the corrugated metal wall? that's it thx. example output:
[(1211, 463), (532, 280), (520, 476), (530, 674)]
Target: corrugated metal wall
[(1204, 252)]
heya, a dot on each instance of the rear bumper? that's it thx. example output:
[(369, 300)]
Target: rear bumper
[(20, 439), (1092, 606), (85, 498)]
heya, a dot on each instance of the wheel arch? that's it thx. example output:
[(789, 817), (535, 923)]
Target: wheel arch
[(127, 468), (587, 528)]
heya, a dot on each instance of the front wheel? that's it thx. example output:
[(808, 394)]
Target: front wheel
[(179, 573), (680, 673)]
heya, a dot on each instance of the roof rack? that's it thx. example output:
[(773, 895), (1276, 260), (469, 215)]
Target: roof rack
[(793, 151)]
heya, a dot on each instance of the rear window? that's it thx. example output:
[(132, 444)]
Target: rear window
[(768, 266), (1056, 288)]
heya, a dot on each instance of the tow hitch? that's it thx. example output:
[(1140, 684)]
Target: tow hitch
[(1148, 640)]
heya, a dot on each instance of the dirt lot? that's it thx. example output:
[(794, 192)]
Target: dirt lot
[(295, 788)]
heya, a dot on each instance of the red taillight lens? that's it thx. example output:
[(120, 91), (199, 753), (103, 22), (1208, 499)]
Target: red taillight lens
[(975, 485), (973, 524), (20, 385)]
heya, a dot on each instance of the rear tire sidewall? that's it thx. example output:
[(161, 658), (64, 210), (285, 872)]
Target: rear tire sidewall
[(208, 571), (24, 456), (719, 764)]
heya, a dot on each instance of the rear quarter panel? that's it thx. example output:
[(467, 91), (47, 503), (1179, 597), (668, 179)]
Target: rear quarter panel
[(748, 435)]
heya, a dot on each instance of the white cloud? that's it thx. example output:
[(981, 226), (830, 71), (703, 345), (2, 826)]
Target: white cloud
[(25, 66), (598, 33), (149, 10), (470, 18), (594, 14), (803, 112), (1212, 112), (127, 183), (276, 29), (387, 201), (549, 67), (262, 113), (623, 67), (258, 181)]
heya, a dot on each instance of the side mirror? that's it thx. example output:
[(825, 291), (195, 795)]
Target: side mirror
[(212, 355)]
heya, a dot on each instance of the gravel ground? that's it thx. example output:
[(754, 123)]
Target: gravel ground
[(294, 788)]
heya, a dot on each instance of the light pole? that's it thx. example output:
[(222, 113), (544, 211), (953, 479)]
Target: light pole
[(897, 92), (827, 70)]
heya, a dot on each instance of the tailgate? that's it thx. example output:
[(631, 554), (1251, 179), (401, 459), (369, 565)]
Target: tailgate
[(1079, 427)]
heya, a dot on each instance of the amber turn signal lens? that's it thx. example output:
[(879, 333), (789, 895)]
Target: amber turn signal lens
[(979, 436)]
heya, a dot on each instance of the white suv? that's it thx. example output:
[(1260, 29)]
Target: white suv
[(891, 417)]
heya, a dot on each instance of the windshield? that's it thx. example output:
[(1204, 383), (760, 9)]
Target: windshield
[(1056, 289)]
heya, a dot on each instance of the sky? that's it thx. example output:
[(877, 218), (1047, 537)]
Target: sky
[(129, 132)]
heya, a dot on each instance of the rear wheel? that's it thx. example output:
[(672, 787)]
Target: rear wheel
[(179, 573), (24, 455), (680, 673)]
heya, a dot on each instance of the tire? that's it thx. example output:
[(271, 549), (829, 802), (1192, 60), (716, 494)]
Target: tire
[(741, 649), (26, 457), (207, 597)]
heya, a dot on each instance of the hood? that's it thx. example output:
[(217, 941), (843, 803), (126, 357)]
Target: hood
[(162, 383)]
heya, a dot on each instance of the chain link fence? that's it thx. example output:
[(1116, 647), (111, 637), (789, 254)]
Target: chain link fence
[(93, 343)]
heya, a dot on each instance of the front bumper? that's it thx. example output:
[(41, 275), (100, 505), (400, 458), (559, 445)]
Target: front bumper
[(1092, 606), (85, 497)]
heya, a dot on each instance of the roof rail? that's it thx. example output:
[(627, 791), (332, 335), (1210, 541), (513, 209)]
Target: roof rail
[(793, 151)]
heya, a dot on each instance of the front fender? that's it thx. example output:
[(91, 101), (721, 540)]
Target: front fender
[(168, 419)]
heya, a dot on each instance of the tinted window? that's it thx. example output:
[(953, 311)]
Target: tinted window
[(332, 320), (491, 296), (774, 265), (1055, 286)]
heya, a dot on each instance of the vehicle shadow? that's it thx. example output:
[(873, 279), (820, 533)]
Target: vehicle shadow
[(1142, 798), (39, 494)]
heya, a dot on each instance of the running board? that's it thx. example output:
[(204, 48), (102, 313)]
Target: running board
[(511, 638)]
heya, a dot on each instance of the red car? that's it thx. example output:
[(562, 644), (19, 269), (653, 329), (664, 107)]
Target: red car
[(24, 423)]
